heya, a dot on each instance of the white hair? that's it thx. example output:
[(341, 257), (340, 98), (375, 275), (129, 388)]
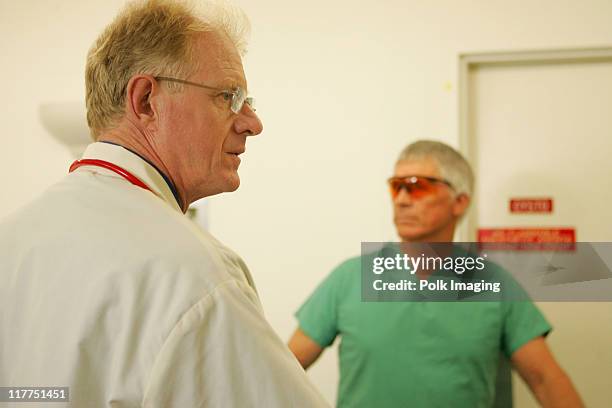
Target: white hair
[(154, 37), (452, 165)]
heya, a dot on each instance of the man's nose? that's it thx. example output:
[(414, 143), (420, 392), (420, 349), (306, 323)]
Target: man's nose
[(403, 197), (248, 122)]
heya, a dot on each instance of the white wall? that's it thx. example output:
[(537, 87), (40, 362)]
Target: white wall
[(341, 85)]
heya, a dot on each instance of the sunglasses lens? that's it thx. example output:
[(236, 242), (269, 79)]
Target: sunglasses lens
[(394, 187), (417, 187), (421, 188)]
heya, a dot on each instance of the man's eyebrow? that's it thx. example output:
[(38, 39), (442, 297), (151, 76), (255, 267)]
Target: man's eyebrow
[(235, 85), (231, 82)]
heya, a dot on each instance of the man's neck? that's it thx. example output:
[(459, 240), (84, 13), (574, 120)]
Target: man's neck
[(421, 246), (446, 234), (141, 147)]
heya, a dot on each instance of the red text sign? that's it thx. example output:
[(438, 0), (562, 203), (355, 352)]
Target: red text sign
[(527, 235), (531, 205)]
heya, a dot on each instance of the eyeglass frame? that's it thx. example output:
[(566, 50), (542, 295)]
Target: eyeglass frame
[(238, 95)]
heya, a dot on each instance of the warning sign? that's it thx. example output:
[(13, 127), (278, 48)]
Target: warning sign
[(531, 205), (533, 237)]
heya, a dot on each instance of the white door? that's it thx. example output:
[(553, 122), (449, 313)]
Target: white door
[(544, 129)]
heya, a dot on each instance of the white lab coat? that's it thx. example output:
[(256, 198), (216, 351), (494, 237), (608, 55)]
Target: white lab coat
[(109, 289)]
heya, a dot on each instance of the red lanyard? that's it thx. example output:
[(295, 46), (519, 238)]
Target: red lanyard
[(112, 167)]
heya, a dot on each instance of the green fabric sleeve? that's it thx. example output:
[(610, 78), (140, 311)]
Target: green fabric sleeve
[(318, 316), (523, 322)]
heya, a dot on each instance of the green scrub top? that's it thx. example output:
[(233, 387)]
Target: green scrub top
[(415, 354)]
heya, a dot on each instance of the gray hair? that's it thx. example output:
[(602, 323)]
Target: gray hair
[(452, 165), (154, 37)]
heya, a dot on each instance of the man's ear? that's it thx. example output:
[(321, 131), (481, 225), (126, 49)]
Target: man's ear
[(461, 204), (138, 99)]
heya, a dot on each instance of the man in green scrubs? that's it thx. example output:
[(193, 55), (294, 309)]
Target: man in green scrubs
[(420, 353)]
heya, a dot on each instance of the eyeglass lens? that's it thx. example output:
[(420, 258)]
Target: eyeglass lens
[(417, 187)]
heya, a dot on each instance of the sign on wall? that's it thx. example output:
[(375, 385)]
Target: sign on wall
[(528, 235), (531, 205)]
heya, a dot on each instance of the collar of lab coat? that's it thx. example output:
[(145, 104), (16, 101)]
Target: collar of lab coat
[(133, 163)]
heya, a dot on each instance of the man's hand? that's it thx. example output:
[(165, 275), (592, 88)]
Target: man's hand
[(548, 382), (305, 349)]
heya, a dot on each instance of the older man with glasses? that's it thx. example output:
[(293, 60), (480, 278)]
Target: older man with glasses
[(108, 290), (426, 353)]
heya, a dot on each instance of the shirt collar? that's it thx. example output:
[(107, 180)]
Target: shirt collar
[(137, 165)]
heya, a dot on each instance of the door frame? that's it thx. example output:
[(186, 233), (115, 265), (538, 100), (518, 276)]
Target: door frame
[(471, 61)]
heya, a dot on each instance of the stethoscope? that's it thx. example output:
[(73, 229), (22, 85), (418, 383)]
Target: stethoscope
[(112, 167)]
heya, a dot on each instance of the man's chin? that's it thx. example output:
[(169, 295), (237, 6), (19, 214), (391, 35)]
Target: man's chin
[(411, 234), (229, 181), (228, 185), (232, 183)]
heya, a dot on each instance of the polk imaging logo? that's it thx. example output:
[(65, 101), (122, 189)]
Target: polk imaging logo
[(422, 272), (395, 271), (434, 273)]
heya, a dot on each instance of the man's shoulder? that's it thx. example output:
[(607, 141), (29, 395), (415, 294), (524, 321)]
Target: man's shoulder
[(348, 265), (352, 266), (110, 229), (346, 271)]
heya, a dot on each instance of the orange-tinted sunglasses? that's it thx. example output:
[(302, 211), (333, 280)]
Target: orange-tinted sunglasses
[(416, 186)]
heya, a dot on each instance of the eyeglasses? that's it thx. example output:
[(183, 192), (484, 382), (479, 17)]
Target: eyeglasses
[(237, 96), (417, 186)]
